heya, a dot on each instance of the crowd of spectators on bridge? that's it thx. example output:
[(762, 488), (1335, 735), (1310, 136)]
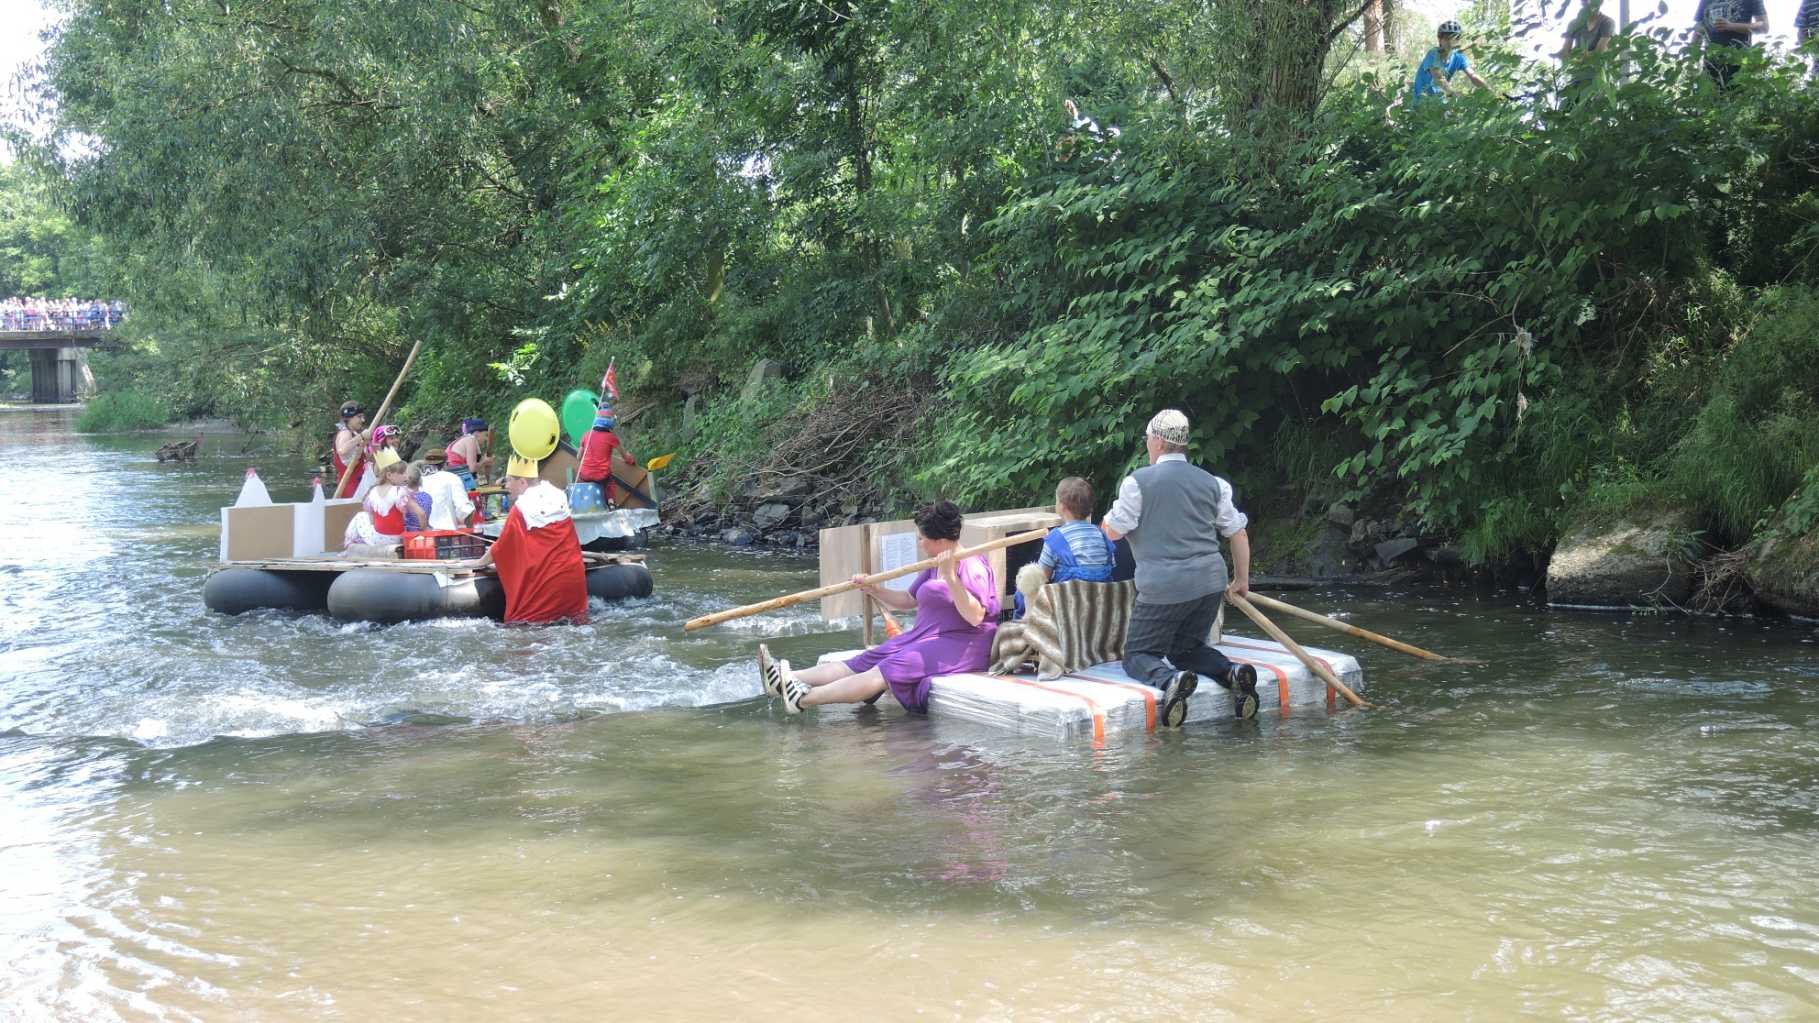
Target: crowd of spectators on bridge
[(60, 314)]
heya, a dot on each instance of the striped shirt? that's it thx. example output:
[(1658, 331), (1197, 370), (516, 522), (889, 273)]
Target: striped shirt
[(1085, 541)]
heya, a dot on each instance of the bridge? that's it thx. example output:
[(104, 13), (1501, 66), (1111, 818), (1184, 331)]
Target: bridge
[(59, 368)]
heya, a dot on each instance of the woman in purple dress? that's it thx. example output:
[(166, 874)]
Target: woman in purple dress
[(956, 606)]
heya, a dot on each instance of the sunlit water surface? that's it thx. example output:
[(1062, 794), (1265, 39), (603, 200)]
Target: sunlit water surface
[(279, 817)]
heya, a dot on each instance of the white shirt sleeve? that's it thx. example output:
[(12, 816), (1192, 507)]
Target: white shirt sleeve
[(1228, 518), (1127, 510)]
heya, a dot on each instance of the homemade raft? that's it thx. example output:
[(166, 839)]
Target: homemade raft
[(386, 590), (275, 556), (1101, 703)]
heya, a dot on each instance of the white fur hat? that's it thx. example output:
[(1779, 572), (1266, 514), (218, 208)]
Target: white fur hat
[(1169, 425)]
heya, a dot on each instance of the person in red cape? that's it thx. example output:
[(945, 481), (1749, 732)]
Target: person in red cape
[(538, 554)]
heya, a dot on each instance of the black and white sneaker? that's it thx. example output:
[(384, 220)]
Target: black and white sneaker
[(771, 671), (1242, 681), (1173, 711), (793, 692)]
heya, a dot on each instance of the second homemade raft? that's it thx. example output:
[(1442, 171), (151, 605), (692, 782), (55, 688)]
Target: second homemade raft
[(1102, 702), (380, 590)]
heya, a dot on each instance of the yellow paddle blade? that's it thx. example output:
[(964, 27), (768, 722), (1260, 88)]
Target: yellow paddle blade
[(661, 461)]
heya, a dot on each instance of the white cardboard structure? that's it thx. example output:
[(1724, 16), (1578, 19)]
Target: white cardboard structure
[(1103, 703), (298, 530)]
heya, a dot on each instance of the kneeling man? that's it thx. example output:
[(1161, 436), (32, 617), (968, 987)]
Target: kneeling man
[(538, 554), (1174, 513)]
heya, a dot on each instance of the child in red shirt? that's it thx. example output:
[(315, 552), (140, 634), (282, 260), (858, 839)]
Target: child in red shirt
[(597, 450)]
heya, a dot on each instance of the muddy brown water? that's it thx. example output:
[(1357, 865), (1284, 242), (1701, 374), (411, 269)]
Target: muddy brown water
[(279, 817)]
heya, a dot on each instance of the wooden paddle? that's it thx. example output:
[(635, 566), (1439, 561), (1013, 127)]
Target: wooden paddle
[(1325, 674), (384, 407), (1353, 630), (827, 591)]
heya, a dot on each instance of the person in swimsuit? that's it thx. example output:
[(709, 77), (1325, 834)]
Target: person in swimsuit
[(470, 455), (956, 607)]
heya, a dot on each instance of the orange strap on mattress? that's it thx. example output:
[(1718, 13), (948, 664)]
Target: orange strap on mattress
[(1148, 694), (1092, 705), (1331, 694)]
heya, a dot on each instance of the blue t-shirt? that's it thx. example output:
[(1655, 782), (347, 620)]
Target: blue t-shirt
[(1424, 75)]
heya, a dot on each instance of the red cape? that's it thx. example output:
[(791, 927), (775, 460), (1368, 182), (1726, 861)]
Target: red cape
[(542, 571)]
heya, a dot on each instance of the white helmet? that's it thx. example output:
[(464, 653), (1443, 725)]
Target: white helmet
[(1450, 28)]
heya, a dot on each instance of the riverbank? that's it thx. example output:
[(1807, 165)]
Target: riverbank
[(1637, 562)]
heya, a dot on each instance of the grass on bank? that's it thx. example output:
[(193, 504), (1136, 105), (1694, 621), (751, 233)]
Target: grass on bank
[(117, 411)]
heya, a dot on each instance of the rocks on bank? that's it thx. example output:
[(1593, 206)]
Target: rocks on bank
[(1642, 559), (787, 512), (1782, 564)]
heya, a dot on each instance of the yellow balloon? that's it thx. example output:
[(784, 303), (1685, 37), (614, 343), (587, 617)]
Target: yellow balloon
[(534, 429)]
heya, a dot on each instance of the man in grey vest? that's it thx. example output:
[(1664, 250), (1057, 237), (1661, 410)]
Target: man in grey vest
[(1174, 514)]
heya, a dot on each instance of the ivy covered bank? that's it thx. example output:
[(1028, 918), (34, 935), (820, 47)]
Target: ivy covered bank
[(846, 253)]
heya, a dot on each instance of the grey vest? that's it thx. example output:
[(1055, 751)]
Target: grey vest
[(1175, 543)]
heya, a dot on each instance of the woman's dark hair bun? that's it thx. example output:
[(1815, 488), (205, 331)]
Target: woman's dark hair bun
[(939, 520)]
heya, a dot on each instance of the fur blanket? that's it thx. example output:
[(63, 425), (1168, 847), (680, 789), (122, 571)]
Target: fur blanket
[(1069, 626)]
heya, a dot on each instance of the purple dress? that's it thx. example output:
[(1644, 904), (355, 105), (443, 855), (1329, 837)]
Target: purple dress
[(942, 643)]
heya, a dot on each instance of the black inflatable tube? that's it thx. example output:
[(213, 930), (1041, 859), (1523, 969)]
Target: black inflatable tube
[(378, 595), (618, 582), (235, 591)]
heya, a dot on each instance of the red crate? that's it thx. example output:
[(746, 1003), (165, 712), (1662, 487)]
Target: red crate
[(443, 545)]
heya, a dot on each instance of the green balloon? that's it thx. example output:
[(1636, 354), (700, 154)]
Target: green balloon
[(578, 414)]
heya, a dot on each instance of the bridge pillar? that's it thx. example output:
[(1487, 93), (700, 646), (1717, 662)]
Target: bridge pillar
[(56, 374)]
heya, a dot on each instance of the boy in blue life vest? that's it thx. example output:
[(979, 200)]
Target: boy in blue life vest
[(1077, 549)]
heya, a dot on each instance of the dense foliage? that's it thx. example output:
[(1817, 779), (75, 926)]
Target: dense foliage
[(1484, 315), (122, 410)]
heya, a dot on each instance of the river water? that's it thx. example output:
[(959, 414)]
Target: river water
[(278, 817)]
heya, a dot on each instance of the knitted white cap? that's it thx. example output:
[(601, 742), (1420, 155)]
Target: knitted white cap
[(1169, 425)]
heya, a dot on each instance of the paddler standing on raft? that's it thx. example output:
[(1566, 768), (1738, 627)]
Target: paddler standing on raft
[(349, 448), (538, 555)]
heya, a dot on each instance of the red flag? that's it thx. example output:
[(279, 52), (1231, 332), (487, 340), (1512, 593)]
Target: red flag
[(610, 382)]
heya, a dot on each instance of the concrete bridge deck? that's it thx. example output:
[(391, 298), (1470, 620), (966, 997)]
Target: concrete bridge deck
[(31, 340)]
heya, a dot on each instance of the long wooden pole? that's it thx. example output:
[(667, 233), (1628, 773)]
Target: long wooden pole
[(827, 591), (1325, 674), (384, 407), (1352, 630)]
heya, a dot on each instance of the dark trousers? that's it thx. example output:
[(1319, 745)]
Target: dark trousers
[(1175, 633)]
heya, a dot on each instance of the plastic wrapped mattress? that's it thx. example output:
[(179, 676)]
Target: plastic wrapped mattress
[(1102, 702)]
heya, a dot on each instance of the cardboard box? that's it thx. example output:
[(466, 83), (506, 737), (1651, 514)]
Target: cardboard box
[(843, 555), (880, 546), (635, 476), (258, 533), (560, 467), (335, 517), (297, 530), (988, 526)]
